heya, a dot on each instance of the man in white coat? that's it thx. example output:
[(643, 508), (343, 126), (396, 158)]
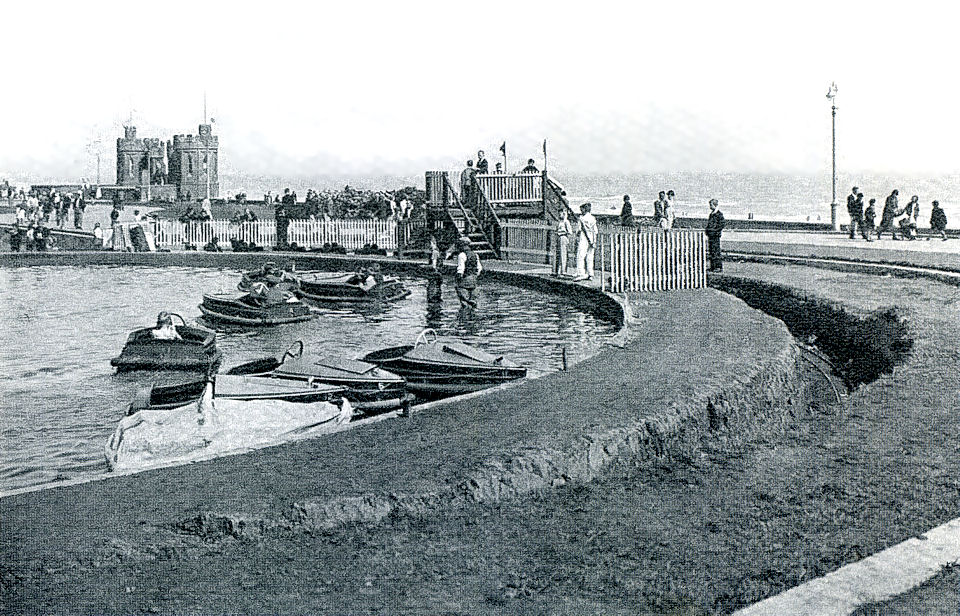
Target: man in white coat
[(586, 243)]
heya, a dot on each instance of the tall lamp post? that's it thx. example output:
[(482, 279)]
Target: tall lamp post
[(831, 96)]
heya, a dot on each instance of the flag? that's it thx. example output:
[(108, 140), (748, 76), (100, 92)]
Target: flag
[(544, 147), (503, 148)]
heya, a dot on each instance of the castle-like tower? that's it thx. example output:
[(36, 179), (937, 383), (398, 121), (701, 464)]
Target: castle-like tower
[(140, 161), (193, 164)]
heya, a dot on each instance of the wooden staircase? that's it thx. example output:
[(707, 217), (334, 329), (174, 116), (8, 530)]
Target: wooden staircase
[(469, 226)]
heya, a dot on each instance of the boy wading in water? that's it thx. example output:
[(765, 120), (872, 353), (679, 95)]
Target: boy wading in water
[(468, 269)]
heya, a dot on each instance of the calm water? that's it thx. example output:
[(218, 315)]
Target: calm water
[(59, 326)]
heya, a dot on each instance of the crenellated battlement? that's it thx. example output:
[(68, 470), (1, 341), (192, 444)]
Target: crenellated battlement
[(190, 162)]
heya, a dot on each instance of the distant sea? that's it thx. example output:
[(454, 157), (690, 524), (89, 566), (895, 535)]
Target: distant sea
[(765, 196)]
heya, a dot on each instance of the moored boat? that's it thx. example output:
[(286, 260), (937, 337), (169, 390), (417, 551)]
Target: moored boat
[(436, 368), (234, 387), (194, 348), (253, 309), (368, 387), (212, 426)]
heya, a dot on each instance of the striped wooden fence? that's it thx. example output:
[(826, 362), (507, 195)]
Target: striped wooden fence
[(643, 260), (501, 188), (349, 233), (656, 260)]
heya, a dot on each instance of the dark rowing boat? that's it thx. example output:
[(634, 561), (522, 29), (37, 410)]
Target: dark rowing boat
[(252, 310), (445, 368), (196, 349), (369, 388), (364, 285), (357, 287)]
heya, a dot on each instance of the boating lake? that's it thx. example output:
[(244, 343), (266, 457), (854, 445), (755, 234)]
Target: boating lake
[(59, 327)]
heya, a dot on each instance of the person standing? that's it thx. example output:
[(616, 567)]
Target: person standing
[(531, 167), (482, 165), (116, 237), (658, 208), (890, 211), (666, 221), (468, 270), (468, 183), (870, 218), (715, 225), (282, 221), (79, 205), (586, 243), (564, 230), (855, 211), (626, 212), (938, 220)]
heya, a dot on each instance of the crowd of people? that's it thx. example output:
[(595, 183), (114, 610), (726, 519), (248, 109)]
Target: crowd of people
[(38, 212), (892, 218)]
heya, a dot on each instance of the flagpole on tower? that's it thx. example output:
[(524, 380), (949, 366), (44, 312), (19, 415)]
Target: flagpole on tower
[(503, 149), (544, 155)]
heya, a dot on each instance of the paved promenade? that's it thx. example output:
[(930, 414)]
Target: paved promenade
[(933, 253)]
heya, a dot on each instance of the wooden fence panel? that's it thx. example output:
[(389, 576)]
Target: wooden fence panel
[(656, 260), (349, 233)]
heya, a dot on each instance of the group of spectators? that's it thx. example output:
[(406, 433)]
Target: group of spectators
[(38, 208), (469, 189), (906, 218), (664, 211), (32, 224)]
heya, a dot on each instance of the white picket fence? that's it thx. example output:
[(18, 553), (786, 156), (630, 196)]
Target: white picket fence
[(656, 260), (645, 259), (349, 233)]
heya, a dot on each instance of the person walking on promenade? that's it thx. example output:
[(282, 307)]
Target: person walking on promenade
[(468, 269), (658, 208), (890, 211), (586, 243), (468, 185), (908, 224), (715, 225), (482, 165), (855, 210), (626, 213), (870, 218), (938, 220), (564, 230)]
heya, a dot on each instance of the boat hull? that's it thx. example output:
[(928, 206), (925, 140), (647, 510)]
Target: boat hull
[(442, 378), (196, 350), (232, 309), (368, 391)]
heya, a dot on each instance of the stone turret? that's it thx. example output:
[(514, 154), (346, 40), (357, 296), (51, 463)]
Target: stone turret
[(140, 161), (194, 162)]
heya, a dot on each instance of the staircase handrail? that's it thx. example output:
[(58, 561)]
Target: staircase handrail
[(467, 215)]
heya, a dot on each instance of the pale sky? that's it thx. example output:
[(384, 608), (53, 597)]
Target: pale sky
[(395, 88)]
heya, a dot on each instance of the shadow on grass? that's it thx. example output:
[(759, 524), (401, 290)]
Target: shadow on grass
[(861, 347)]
